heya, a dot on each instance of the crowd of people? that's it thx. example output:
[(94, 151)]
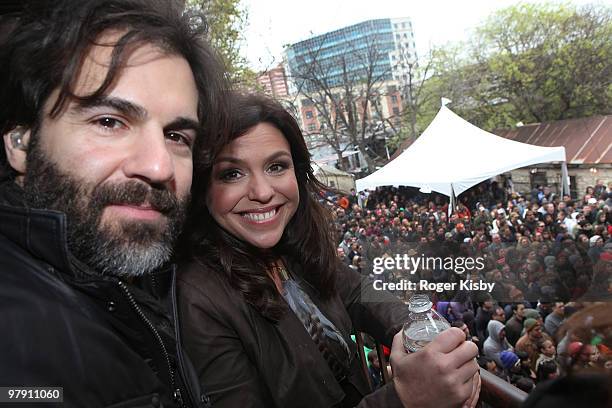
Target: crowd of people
[(548, 255)]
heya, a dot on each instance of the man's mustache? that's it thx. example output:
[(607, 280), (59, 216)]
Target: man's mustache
[(136, 193)]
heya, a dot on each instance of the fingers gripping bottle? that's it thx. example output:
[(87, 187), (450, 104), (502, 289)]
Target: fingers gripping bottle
[(423, 324)]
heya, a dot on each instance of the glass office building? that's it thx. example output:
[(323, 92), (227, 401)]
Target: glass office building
[(379, 47)]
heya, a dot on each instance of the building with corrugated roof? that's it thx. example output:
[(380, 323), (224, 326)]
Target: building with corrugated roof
[(588, 146)]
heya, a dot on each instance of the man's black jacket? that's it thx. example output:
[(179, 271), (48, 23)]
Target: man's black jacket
[(107, 342)]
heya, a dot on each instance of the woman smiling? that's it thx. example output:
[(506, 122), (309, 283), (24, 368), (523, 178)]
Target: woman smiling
[(267, 308)]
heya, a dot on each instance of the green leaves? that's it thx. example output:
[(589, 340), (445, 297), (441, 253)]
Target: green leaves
[(532, 63), (225, 21)]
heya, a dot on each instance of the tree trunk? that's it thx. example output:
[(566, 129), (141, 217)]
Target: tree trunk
[(341, 164)]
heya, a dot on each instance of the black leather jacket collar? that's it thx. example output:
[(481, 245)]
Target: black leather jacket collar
[(40, 232)]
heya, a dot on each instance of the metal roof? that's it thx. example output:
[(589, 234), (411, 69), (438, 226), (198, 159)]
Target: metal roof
[(586, 140)]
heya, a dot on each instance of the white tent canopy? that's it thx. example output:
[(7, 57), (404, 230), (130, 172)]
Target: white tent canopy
[(453, 155)]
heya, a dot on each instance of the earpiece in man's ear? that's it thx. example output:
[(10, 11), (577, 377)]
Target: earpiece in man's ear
[(16, 136)]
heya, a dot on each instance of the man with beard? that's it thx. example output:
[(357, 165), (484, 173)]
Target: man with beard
[(101, 104)]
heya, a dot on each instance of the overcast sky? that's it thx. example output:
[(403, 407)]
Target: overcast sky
[(274, 23)]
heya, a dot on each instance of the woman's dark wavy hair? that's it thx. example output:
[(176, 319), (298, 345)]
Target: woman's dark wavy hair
[(307, 240), (43, 46)]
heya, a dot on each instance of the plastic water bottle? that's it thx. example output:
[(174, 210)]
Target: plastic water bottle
[(423, 324)]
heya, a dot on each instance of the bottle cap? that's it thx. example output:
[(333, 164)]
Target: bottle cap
[(419, 303)]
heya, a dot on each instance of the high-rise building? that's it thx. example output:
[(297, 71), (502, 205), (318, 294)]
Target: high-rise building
[(325, 67), (379, 47), (274, 82)]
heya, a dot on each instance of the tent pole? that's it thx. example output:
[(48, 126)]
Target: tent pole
[(565, 181), (451, 205)]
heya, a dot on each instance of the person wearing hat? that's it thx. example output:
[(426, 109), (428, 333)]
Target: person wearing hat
[(460, 233), (580, 354), (509, 360), (596, 244), (532, 314), (500, 221), (594, 240), (514, 369), (529, 341)]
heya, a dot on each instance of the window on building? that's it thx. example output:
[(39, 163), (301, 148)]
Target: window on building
[(308, 114), (312, 127), (538, 178), (394, 99), (396, 111)]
